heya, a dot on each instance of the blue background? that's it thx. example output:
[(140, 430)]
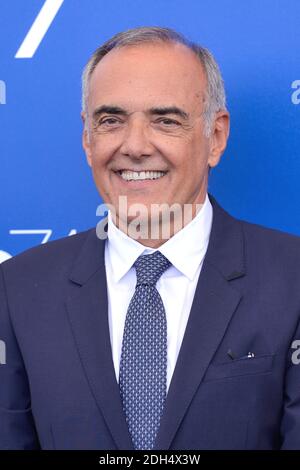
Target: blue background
[(45, 182)]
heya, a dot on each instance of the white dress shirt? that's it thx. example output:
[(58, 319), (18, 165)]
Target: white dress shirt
[(185, 250)]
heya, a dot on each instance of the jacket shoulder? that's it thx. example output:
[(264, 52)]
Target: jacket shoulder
[(61, 252), (272, 254), (271, 239), (257, 243)]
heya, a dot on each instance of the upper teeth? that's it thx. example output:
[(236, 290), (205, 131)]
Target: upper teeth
[(140, 175)]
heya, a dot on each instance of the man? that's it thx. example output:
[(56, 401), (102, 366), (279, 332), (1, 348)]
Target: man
[(149, 342)]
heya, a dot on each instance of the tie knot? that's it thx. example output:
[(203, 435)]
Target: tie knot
[(149, 268)]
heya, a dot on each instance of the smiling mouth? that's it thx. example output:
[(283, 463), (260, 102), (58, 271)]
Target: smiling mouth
[(129, 175)]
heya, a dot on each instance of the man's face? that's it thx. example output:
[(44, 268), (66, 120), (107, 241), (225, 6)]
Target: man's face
[(145, 113)]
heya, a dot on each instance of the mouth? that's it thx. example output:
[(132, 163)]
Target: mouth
[(130, 175)]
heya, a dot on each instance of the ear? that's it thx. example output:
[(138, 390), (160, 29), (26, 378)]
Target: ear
[(86, 139), (218, 137)]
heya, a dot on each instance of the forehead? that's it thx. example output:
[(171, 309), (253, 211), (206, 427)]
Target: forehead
[(148, 74)]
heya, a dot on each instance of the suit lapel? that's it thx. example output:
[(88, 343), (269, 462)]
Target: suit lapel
[(214, 303), (87, 308)]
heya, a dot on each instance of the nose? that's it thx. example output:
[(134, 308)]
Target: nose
[(136, 142)]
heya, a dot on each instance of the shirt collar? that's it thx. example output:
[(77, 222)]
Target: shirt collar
[(185, 250)]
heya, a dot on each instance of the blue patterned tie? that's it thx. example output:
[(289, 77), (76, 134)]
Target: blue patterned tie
[(143, 366)]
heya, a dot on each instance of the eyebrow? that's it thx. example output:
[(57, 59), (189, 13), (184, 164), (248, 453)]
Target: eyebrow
[(161, 111), (107, 109), (169, 110)]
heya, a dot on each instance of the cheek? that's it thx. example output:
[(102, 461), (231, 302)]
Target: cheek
[(190, 170), (174, 152), (102, 149), (197, 160), (99, 160)]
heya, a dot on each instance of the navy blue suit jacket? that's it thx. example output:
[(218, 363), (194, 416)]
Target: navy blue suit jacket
[(58, 388)]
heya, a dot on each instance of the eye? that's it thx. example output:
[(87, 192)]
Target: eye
[(109, 121), (168, 122), (108, 124)]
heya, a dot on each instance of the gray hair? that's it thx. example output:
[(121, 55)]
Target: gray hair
[(215, 93)]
